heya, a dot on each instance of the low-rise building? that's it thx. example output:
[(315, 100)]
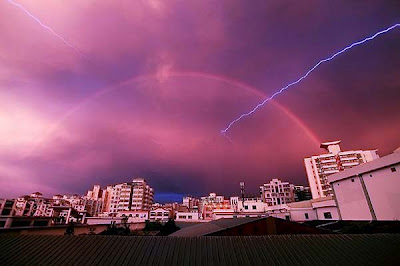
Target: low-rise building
[(187, 217), (160, 215), (135, 216), (315, 209), (248, 205)]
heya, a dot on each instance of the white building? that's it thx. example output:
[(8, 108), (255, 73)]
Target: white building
[(309, 210), (190, 217), (277, 192), (369, 191), (319, 167), (212, 198), (248, 205), (135, 216), (160, 215)]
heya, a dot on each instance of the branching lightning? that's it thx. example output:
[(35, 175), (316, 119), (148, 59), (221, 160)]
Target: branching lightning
[(224, 131), (47, 27)]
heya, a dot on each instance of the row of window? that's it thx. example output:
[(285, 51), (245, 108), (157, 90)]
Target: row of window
[(254, 207), (184, 217)]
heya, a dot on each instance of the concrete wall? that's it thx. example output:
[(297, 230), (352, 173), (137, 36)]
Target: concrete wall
[(298, 214), (102, 220), (60, 230), (195, 217), (351, 199), (55, 230), (383, 187), (329, 209)]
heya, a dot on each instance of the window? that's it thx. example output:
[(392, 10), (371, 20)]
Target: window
[(393, 169), (306, 215), (254, 207), (189, 216), (246, 207), (327, 215), (352, 180)]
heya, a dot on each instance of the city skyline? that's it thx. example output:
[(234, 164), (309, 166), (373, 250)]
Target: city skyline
[(162, 80)]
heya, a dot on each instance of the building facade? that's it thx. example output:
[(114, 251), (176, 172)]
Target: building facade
[(136, 195), (211, 202), (319, 167), (369, 191), (160, 215), (277, 192), (302, 193)]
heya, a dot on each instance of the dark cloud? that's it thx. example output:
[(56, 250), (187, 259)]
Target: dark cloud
[(164, 78)]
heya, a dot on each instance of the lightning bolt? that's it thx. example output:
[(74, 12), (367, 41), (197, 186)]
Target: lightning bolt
[(224, 131), (47, 27)]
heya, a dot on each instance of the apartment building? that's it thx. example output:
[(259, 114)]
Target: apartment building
[(142, 195), (135, 195), (302, 193), (319, 167), (277, 192), (6, 207)]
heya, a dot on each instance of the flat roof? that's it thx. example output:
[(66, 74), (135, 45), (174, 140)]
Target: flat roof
[(214, 226), (326, 144), (391, 159)]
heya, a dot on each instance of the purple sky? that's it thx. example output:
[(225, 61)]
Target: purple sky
[(164, 77)]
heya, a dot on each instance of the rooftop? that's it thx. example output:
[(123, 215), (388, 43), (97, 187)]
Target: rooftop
[(391, 159), (375, 249), (325, 145), (213, 226)]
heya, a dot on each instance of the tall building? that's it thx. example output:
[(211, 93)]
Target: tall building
[(142, 195), (106, 196), (135, 195), (277, 192), (319, 167)]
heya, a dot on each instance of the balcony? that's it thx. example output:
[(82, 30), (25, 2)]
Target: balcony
[(328, 172), (350, 163)]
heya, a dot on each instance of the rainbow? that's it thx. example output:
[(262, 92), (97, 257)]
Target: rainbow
[(174, 74)]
